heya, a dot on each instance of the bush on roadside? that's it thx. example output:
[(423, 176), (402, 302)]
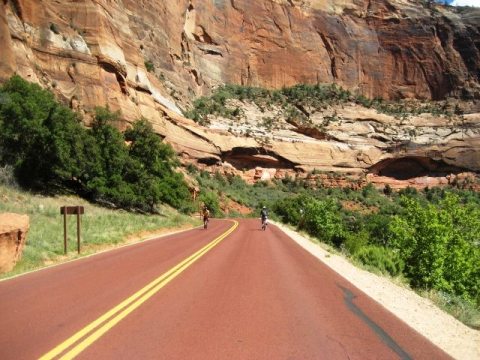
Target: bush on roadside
[(355, 242), (291, 210), (376, 225), (383, 259), (323, 220), (434, 244), (210, 199), (439, 245)]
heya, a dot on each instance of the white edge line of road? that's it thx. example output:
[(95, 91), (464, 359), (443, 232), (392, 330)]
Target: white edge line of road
[(149, 238), (442, 329)]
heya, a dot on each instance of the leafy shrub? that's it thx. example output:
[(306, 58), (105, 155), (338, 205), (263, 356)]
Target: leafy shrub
[(149, 66), (383, 259), (434, 244), (210, 199), (408, 191), (355, 242), (192, 169), (323, 220), (291, 210), (376, 225), (439, 245)]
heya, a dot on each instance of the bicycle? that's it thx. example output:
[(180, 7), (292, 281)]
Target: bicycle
[(205, 222), (264, 223)]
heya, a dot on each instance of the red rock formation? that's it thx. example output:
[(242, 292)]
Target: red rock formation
[(13, 236), (7, 57), (94, 53)]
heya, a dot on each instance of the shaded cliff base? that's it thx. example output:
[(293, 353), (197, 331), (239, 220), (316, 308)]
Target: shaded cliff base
[(381, 177)]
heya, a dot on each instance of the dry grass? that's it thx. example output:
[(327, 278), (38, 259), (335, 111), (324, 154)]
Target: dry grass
[(101, 228)]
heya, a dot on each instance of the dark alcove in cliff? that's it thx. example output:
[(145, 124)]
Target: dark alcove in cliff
[(410, 167), (250, 158)]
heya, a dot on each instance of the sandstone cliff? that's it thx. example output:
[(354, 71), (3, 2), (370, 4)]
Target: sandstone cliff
[(386, 48), (151, 58)]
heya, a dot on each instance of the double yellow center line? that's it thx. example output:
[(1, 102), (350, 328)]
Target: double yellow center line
[(93, 331)]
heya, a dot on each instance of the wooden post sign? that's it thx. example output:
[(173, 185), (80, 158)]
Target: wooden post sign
[(71, 210)]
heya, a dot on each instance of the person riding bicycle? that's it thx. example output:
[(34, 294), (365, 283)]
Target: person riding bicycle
[(264, 215), (206, 215)]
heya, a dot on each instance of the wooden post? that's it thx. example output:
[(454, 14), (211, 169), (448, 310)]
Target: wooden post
[(65, 232), (71, 210), (78, 229)]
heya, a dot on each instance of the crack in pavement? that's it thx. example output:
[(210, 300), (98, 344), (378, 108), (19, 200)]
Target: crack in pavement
[(382, 334)]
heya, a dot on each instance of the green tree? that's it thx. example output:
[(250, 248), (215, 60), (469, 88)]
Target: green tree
[(439, 245), (323, 219), (210, 199), (107, 184), (50, 150), (42, 139), (157, 161)]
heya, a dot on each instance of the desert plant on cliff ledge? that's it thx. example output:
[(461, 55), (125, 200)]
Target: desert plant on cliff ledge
[(149, 66), (300, 101)]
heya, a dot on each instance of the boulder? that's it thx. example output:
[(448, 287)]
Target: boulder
[(263, 174), (13, 235)]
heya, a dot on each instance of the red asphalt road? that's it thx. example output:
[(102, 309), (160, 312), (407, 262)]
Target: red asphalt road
[(256, 295)]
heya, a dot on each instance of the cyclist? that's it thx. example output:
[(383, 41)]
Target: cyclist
[(206, 216), (264, 216)]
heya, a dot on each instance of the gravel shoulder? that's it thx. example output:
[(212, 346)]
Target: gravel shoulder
[(442, 329)]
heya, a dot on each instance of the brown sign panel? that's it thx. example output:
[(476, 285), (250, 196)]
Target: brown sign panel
[(72, 210)]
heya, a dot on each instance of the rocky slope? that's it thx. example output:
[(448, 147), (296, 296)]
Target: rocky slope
[(97, 52)]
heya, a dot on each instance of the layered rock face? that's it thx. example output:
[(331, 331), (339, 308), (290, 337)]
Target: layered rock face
[(384, 48), (13, 235), (349, 140), (96, 53)]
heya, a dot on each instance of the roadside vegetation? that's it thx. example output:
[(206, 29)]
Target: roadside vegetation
[(48, 159), (216, 188), (101, 227), (52, 153), (429, 239)]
